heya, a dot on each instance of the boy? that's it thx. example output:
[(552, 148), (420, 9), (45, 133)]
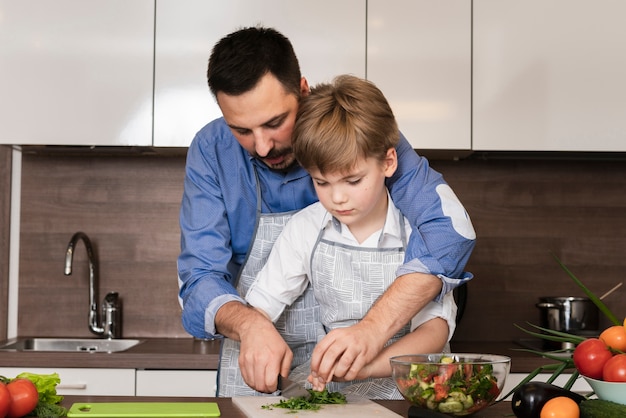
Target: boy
[(349, 244)]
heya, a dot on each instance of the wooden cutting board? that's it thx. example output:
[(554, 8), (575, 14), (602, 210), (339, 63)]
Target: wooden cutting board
[(356, 407)]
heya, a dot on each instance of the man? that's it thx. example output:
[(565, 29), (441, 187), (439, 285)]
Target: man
[(242, 185)]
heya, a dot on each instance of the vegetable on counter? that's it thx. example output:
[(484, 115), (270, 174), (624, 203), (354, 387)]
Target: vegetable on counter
[(560, 407), (312, 404), (600, 358), (566, 406), (530, 398), (5, 400), (31, 394), (24, 397), (597, 408)]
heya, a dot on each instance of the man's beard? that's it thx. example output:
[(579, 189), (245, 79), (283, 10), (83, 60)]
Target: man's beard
[(288, 159)]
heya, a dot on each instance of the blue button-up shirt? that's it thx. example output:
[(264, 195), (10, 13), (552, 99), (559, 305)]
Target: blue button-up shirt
[(219, 213)]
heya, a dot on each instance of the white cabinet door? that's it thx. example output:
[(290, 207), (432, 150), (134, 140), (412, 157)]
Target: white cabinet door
[(201, 383), (328, 37), (98, 382), (419, 55), (549, 75), (76, 72)]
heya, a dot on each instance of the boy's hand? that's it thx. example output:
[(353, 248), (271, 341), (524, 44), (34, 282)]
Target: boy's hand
[(342, 354)]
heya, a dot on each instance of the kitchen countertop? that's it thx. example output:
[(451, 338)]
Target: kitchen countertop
[(190, 354), (228, 409), (152, 353)]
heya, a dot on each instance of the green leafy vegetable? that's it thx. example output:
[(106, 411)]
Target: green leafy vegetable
[(326, 397), (48, 404), (48, 410), (293, 404), (46, 385), (316, 399)]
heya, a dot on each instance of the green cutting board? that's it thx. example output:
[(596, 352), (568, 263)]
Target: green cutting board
[(144, 409)]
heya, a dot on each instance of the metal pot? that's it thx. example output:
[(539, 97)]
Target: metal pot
[(574, 315)]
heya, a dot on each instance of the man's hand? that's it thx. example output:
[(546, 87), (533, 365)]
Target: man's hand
[(344, 352), (263, 353)]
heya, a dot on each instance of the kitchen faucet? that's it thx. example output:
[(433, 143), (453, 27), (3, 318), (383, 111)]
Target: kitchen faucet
[(111, 309)]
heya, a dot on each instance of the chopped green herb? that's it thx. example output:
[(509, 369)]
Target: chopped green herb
[(326, 397), (317, 398)]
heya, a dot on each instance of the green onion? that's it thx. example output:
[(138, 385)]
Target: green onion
[(596, 300)]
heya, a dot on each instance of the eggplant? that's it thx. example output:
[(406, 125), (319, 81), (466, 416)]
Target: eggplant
[(529, 398)]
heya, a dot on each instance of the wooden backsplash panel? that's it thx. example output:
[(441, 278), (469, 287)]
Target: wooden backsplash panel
[(128, 206), (521, 209)]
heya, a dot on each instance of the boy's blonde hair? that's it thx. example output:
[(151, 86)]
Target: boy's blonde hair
[(340, 122)]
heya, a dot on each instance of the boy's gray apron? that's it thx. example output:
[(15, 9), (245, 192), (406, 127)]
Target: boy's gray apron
[(299, 323), (346, 281)]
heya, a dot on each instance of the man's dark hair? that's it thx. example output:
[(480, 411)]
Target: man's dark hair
[(239, 60)]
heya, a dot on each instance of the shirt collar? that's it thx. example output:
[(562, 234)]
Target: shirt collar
[(392, 225)]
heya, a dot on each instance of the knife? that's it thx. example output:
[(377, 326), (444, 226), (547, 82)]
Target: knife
[(290, 389)]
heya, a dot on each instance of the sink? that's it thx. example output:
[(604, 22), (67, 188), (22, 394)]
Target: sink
[(88, 345)]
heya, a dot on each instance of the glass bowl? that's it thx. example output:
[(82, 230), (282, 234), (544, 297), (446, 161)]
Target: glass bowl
[(453, 384)]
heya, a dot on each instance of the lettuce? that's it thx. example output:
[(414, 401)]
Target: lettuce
[(46, 385)]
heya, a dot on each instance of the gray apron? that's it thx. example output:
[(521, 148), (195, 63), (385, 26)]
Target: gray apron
[(346, 281), (299, 324)]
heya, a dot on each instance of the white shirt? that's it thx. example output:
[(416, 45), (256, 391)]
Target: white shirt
[(287, 271)]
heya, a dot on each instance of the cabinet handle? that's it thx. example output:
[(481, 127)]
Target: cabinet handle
[(78, 386)]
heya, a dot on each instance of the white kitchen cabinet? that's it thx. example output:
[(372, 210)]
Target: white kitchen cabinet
[(328, 37), (127, 382), (76, 72), (549, 75), (85, 381), (201, 383), (419, 55)]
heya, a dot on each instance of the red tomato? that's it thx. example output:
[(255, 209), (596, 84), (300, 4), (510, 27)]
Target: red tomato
[(24, 397), (615, 369), (590, 356), (5, 400)]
